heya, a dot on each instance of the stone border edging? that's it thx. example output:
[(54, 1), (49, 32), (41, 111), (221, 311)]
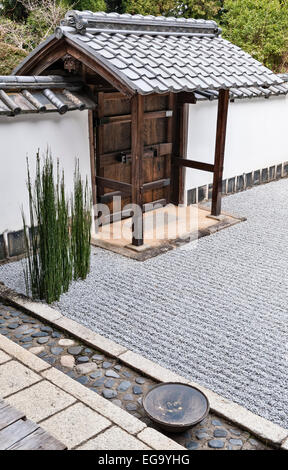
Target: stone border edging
[(117, 416), (260, 427)]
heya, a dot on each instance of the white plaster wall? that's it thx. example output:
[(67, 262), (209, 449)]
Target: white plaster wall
[(21, 136), (256, 136)]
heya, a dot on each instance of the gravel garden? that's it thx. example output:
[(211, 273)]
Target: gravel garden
[(216, 313)]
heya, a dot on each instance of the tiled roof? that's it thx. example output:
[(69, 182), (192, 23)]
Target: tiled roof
[(244, 93), (41, 94), (157, 54)]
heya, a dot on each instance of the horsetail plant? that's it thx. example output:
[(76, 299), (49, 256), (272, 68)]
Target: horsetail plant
[(56, 246), (81, 225)]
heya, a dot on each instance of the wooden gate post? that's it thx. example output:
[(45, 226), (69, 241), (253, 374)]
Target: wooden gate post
[(223, 102), (178, 150), (137, 147)]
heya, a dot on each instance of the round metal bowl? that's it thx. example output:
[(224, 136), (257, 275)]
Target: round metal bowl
[(175, 407)]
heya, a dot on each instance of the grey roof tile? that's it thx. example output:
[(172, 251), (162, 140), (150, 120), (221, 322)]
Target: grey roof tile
[(67, 94), (159, 54)]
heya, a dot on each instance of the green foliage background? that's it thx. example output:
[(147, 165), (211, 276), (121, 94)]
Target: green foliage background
[(260, 27)]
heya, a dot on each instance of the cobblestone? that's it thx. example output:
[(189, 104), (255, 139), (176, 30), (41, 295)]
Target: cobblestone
[(114, 386)]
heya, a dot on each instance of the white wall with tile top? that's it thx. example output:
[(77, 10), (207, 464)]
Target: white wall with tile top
[(21, 136), (256, 136)]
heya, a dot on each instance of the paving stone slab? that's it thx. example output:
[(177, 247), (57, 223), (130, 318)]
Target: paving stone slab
[(116, 395), (41, 400), (75, 425), (14, 377), (4, 357), (95, 401), (22, 355), (114, 439), (158, 441)]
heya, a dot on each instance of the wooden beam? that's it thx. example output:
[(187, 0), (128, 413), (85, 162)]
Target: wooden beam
[(149, 151), (194, 164), (186, 97), (128, 117), (99, 140), (156, 184), (113, 184), (137, 148), (178, 150), (99, 66), (223, 102)]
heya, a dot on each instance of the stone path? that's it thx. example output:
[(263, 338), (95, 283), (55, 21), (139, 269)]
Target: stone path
[(67, 410), (216, 314), (121, 385)]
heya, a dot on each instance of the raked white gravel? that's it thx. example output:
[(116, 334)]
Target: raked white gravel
[(216, 313)]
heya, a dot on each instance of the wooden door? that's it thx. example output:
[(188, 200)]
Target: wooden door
[(113, 144)]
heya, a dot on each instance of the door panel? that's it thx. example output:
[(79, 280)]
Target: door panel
[(113, 156)]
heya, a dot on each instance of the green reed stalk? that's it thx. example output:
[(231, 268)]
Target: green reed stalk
[(81, 226), (48, 270)]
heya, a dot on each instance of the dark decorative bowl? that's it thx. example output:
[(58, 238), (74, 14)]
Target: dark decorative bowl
[(175, 407)]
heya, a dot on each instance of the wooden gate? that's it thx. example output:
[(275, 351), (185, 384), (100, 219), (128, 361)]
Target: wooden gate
[(113, 150)]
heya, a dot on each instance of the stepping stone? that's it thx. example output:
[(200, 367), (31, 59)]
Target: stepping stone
[(82, 359), (106, 365), (56, 351), (202, 435), (86, 368), (109, 383), (192, 445), (97, 357), (56, 334), (220, 432), (43, 354), (36, 350), (96, 374), (13, 326), (27, 332), (50, 360), (46, 328), (137, 390), (117, 367), (128, 397), (75, 350), (67, 361), (140, 380), (99, 382), (42, 340), (236, 442), (216, 444), (127, 374), (40, 334), (109, 394), (131, 407), (216, 422), (27, 339), (112, 373), (88, 351), (83, 380), (236, 432), (66, 342), (123, 386)]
